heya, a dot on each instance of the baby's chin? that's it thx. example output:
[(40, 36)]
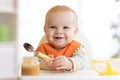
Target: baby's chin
[(60, 46)]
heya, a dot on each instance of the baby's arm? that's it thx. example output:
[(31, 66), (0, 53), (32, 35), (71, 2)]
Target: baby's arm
[(74, 63), (78, 60)]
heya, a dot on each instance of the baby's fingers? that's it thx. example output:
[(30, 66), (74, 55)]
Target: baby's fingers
[(51, 55), (49, 63)]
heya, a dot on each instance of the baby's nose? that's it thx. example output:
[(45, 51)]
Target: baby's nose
[(59, 30)]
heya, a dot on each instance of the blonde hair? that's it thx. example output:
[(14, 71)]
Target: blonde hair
[(60, 8)]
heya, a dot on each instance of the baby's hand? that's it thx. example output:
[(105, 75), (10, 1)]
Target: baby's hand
[(49, 62), (62, 63)]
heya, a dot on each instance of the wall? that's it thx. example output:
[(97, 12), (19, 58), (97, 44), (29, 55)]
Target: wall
[(96, 19)]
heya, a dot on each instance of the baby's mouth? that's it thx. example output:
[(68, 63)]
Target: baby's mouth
[(58, 37)]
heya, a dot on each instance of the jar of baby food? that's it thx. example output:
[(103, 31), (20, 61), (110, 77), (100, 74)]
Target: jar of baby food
[(30, 66)]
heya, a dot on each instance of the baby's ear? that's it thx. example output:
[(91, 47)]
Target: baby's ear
[(44, 29), (76, 31)]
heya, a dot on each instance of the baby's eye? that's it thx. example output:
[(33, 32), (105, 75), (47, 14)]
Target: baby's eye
[(65, 27), (52, 27)]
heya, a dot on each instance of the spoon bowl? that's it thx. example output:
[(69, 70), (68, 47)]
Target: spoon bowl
[(28, 47)]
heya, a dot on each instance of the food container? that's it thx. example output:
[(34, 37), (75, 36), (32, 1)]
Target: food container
[(107, 67), (30, 66)]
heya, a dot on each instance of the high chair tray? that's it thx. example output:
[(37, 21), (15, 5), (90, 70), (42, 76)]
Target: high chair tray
[(79, 75)]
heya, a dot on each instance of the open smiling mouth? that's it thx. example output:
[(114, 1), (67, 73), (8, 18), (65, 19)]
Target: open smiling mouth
[(58, 37)]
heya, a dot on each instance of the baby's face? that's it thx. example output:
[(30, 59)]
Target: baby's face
[(60, 28)]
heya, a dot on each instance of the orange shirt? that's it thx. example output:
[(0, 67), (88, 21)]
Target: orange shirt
[(46, 48)]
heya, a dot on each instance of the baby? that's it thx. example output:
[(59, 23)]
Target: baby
[(61, 26)]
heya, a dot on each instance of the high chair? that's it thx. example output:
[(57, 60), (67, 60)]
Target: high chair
[(80, 37)]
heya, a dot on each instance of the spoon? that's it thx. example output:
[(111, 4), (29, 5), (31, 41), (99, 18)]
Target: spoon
[(30, 48)]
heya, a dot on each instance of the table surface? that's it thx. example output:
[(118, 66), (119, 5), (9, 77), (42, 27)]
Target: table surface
[(79, 75)]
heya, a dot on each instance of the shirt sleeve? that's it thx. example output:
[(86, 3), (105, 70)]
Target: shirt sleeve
[(78, 59)]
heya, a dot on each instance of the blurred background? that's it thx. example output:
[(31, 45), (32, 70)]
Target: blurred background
[(23, 20)]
